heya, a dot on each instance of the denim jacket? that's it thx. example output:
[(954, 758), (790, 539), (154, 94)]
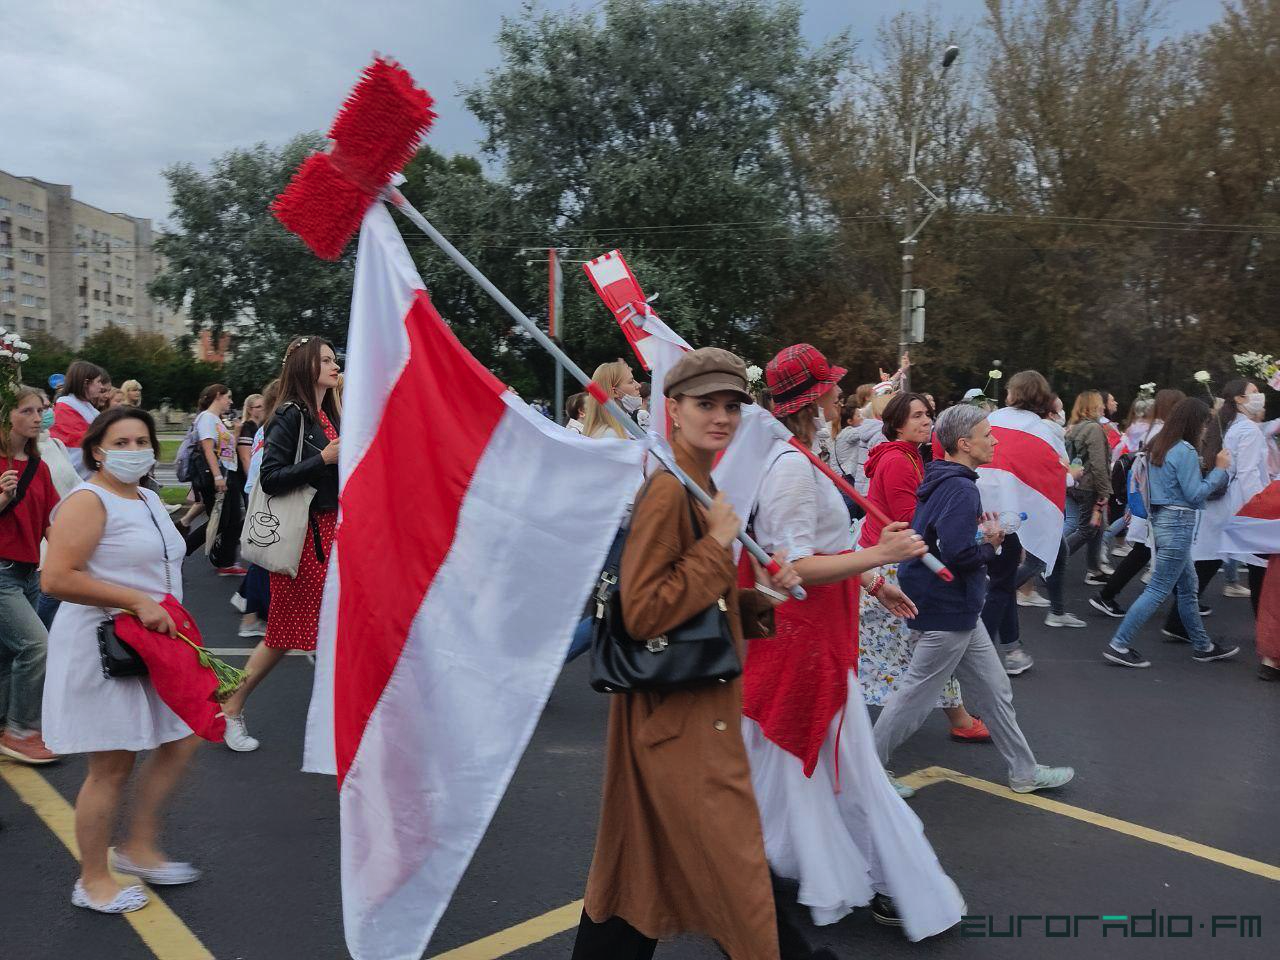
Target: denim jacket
[(1178, 483)]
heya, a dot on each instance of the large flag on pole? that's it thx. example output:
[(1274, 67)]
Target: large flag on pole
[(471, 531)]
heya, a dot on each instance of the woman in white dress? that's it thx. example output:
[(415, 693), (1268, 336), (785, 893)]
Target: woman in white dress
[(832, 820), (112, 547)]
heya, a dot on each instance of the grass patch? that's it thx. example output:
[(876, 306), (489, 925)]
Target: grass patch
[(169, 449), (172, 495)]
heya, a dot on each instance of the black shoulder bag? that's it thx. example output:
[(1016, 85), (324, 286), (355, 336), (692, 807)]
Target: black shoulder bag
[(24, 481), (699, 651), (118, 658)]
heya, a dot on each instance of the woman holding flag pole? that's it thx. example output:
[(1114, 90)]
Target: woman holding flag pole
[(680, 848), (832, 819)]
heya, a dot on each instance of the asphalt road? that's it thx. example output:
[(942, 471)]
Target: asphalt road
[(1183, 748)]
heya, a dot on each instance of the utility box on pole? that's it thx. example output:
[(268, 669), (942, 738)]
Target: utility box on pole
[(917, 315)]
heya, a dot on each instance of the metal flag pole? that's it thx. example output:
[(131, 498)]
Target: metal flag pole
[(422, 223)]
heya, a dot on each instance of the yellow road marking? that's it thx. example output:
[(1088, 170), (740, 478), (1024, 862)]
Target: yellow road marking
[(518, 937), (160, 928), (564, 918), (1173, 842)]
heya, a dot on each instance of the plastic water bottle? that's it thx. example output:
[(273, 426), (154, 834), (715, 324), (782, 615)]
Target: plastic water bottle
[(1009, 521)]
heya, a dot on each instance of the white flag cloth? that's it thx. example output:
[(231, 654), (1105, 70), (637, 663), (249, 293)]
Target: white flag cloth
[(471, 531)]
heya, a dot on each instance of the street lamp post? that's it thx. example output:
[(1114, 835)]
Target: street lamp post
[(911, 230)]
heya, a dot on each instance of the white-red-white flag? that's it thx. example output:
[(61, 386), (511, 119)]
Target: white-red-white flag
[(1028, 475), (471, 531), (740, 469), (1256, 528)]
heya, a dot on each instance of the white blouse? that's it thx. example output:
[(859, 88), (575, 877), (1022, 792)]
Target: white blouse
[(800, 513)]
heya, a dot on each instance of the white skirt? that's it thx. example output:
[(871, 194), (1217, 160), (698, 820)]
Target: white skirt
[(845, 847), (85, 712)]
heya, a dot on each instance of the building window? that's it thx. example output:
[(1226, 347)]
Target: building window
[(119, 299), (42, 303), (24, 233), (39, 259), (6, 273), (28, 279), (4, 205), (28, 300), (97, 294), (41, 281), (10, 317), (24, 209), (7, 296), (28, 255), (37, 236)]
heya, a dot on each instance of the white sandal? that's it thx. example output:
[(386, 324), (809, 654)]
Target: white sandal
[(126, 901), (169, 874)]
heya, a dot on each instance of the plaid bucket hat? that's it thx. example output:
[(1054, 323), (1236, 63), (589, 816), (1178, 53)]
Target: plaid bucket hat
[(799, 375)]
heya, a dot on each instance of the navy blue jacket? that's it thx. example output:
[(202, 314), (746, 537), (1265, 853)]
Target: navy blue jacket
[(947, 512)]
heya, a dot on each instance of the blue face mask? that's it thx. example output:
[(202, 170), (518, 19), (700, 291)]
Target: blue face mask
[(46, 419)]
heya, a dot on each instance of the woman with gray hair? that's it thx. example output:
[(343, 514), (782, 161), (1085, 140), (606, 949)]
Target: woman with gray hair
[(950, 636)]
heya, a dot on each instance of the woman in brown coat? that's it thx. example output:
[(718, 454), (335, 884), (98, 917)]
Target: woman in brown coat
[(680, 849)]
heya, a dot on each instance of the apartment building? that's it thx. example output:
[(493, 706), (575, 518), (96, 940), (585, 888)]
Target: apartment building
[(70, 269), (24, 256)]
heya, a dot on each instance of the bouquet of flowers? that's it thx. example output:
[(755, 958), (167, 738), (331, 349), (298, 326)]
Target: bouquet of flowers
[(1259, 366), (13, 353)]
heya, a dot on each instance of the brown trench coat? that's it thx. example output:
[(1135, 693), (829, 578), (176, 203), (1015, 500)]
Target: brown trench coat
[(680, 848)]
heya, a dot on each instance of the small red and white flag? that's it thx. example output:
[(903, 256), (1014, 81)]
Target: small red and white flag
[(471, 531), (1256, 528), (740, 469), (1028, 475)]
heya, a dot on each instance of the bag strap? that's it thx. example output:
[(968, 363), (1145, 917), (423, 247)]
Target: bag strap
[(24, 481)]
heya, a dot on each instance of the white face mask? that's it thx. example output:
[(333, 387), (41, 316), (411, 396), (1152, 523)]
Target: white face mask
[(1255, 403), (630, 402), (128, 466)]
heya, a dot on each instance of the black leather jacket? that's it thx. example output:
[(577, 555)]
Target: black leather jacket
[(279, 472)]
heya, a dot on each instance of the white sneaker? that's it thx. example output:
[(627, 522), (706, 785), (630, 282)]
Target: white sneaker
[(1017, 662), (238, 601), (1032, 599), (1236, 590), (258, 629), (1063, 620), (1121, 551), (1146, 577), (237, 736), (1106, 568)]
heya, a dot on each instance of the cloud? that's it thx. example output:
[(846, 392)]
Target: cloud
[(103, 94)]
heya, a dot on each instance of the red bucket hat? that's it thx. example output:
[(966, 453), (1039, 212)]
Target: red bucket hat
[(798, 375)]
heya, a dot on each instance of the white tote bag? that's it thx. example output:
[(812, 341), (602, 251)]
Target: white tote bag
[(276, 526)]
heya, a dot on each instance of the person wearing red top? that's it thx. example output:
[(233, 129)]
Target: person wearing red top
[(27, 498), (896, 470), (77, 408)]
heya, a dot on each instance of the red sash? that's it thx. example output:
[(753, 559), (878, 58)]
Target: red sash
[(797, 681)]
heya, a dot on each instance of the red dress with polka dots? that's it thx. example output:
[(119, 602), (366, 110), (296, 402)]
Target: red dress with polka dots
[(293, 619)]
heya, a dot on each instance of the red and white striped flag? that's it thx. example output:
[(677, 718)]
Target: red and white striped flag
[(740, 468), (471, 531), (1256, 528), (1028, 475)]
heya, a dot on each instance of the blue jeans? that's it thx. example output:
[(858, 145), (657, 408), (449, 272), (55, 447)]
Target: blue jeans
[(1110, 533), (1175, 572), (1076, 515), (23, 643)]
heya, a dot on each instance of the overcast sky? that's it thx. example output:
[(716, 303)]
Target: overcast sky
[(102, 94)]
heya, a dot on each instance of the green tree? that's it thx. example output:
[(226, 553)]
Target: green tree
[(233, 265), (671, 129)]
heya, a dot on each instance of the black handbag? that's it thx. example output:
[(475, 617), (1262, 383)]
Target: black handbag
[(118, 658), (699, 651)]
